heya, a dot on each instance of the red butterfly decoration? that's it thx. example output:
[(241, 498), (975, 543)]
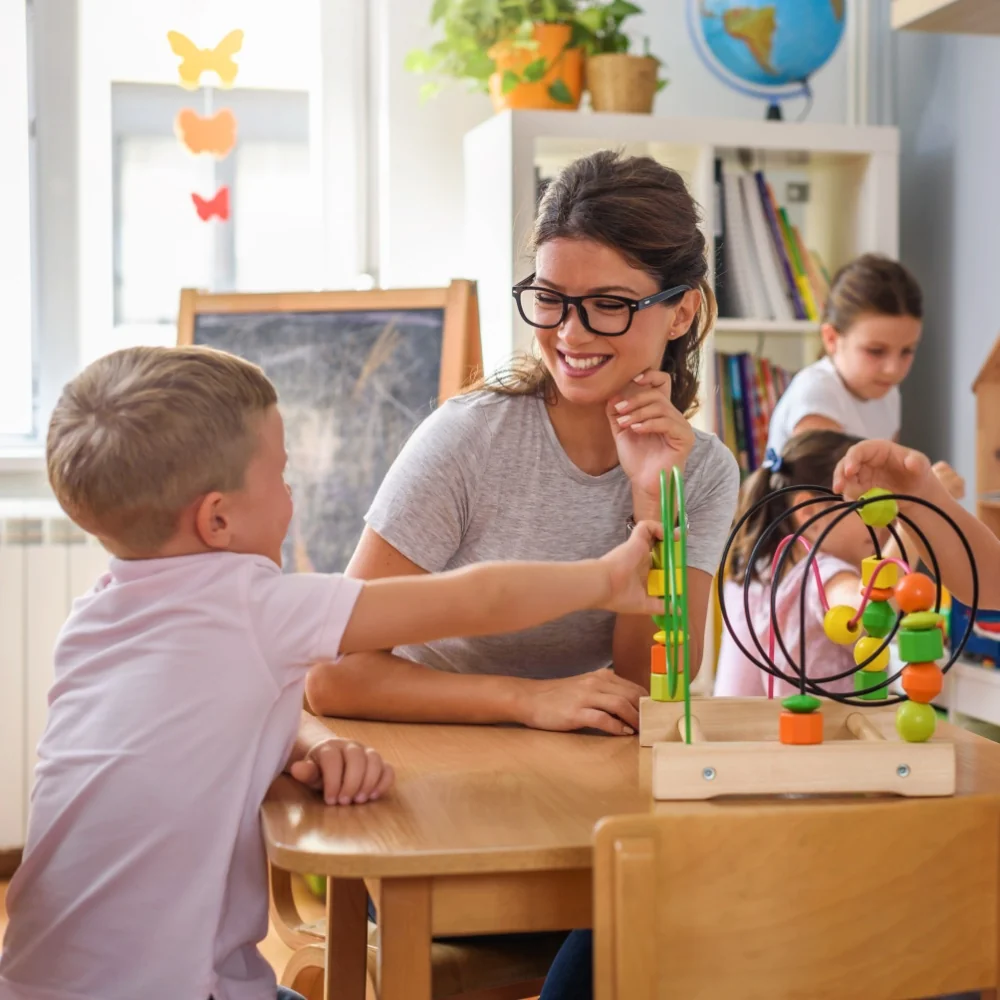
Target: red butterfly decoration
[(218, 205)]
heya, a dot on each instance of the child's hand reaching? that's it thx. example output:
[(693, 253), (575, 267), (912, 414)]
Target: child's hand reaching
[(885, 464), (628, 567), (949, 479), (345, 771)]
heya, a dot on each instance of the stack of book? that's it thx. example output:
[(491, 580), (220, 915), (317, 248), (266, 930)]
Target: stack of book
[(748, 389), (764, 270)]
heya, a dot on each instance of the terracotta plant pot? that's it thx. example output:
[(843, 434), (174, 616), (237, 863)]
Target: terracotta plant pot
[(618, 81), (564, 64)]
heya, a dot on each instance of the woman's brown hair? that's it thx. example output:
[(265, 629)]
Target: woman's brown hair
[(809, 459), (642, 209), (872, 284)]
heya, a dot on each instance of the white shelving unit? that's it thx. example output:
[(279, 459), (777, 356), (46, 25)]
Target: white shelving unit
[(852, 174)]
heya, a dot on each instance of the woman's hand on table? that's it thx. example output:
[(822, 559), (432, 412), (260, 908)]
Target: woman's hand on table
[(650, 434), (346, 772), (597, 700)]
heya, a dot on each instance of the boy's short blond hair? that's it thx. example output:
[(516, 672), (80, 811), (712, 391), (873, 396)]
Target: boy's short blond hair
[(142, 433)]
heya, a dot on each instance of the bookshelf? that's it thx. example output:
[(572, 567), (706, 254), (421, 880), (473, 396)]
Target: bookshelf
[(850, 176), (977, 17)]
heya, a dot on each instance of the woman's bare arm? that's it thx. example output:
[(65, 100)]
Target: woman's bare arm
[(380, 685)]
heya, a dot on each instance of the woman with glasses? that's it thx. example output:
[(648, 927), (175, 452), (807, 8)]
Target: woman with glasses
[(555, 458)]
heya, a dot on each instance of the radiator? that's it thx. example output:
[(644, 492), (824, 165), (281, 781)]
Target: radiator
[(45, 562)]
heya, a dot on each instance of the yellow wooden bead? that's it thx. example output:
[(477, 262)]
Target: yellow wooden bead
[(887, 576), (659, 688), (661, 637), (836, 625), (864, 648), (656, 582)]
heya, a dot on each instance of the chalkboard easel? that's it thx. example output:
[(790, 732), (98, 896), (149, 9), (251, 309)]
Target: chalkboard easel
[(356, 372)]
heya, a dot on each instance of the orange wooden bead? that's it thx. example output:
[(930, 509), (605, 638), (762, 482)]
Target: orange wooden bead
[(915, 592), (658, 659), (880, 593), (795, 729), (922, 682)]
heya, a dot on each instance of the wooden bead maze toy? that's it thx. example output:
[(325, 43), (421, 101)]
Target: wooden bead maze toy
[(816, 741)]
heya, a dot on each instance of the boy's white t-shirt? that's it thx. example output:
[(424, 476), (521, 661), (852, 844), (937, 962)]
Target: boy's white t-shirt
[(818, 390), (177, 696)]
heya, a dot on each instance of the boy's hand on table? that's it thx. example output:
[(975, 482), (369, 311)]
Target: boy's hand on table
[(345, 772), (598, 700)]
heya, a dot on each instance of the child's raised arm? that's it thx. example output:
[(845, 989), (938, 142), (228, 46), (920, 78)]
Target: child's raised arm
[(902, 470), (490, 598)]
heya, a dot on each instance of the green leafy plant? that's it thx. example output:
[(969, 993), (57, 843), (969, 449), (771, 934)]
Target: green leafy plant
[(599, 30), (470, 28)]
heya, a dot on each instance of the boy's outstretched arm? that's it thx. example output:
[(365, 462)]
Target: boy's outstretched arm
[(344, 771), (490, 598), (902, 470)]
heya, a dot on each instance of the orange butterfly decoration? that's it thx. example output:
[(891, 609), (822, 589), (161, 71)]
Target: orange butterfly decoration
[(215, 135), (195, 61), (218, 205)]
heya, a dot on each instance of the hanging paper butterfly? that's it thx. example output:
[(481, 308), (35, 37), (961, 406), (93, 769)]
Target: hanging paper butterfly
[(195, 61), (215, 135), (218, 205)]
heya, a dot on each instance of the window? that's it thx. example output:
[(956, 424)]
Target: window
[(16, 377), (272, 239)]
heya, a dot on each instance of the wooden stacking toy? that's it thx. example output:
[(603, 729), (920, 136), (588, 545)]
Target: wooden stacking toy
[(816, 741)]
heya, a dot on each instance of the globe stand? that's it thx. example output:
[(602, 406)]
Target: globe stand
[(774, 112)]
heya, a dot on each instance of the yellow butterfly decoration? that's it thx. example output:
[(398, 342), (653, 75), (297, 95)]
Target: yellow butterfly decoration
[(195, 61)]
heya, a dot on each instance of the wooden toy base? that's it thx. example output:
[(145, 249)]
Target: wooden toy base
[(734, 750)]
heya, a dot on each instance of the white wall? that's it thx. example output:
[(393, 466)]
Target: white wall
[(948, 93), (421, 191)]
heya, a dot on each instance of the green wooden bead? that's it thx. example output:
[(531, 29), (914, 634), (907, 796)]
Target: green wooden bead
[(915, 722), (801, 704), (878, 618), (925, 646), (920, 621), (659, 688), (881, 512), (869, 678)]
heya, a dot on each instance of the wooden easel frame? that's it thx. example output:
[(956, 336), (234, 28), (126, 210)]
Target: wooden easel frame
[(461, 351), (734, 750)]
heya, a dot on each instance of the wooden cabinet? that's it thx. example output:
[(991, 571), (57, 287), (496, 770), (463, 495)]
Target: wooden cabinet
[(987, 390), (969, 17)]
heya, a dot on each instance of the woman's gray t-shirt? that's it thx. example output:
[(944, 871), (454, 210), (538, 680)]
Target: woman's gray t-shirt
[(485, 477)]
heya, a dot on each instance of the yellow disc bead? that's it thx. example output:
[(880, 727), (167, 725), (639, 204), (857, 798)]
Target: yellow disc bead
[(836, 625), (866, 647), (661, 637)]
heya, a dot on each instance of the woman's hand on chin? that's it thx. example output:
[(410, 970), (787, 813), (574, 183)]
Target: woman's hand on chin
[(651, 434)]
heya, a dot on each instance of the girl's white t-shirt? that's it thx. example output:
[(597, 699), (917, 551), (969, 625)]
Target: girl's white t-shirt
[(819, 391)]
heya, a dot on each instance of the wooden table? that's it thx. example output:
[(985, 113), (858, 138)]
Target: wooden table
[(489, 830)]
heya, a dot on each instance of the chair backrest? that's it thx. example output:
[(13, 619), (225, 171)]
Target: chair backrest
[(886, 898)]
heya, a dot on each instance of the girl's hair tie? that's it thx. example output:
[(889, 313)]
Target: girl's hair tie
[(773, 462)]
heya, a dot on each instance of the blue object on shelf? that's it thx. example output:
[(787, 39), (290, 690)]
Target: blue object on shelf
[(979, 646)]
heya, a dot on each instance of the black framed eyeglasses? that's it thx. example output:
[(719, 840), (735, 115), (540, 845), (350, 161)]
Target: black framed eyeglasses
[(604, 314)]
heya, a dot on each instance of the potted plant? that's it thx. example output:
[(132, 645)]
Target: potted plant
[(523, 53), (617, 80)]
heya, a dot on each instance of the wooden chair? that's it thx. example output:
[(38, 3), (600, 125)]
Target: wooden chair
[(511, 967), (881, 899)]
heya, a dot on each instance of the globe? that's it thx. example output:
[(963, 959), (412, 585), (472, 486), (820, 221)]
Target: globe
[(766, 48)]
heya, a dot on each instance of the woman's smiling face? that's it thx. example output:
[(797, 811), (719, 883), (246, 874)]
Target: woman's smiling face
[(589, 368)]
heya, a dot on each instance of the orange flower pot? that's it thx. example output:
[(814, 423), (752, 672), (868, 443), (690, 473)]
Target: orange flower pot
[(563, 64)]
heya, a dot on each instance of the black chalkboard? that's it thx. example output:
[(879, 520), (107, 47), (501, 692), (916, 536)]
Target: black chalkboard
[(353, 384)]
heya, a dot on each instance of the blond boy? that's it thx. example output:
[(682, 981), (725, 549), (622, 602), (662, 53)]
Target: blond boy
[(179, 679)]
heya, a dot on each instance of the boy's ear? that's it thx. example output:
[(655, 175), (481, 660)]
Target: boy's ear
[(212, 521)]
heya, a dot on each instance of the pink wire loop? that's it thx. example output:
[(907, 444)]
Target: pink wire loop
[(866, 594), (782, 545)]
